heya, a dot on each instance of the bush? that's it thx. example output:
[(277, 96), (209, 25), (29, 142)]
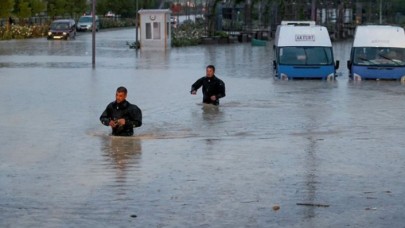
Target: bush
[(222, 34), (187, 34), (22, 32), (5, 34), (39, 31), (116, 23)]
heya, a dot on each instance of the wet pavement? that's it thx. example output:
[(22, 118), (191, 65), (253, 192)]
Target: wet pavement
[(329, 154)]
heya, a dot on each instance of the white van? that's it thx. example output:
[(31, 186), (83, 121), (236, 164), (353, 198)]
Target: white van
[(378, 52), (303, 50)]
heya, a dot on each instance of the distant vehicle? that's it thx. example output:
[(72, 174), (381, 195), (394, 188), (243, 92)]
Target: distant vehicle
[(62, 29), (173, 20), (110, 14), (378, 52), (85, 23), (303, 50)]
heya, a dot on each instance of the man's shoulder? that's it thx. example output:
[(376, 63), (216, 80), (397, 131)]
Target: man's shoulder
[(219, 80), (133, 106), (111, 104)]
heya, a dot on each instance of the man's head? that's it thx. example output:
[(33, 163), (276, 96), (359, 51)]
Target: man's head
[(121, 94), (210, 71)]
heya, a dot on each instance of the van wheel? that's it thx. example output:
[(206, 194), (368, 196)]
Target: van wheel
[(285, 78), (356, 78)]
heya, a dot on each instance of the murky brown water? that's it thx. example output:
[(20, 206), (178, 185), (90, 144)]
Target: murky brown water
[(337, 144)]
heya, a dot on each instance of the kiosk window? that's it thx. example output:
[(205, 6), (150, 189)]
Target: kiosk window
[(148, 31), (156, 30), (152, 33)]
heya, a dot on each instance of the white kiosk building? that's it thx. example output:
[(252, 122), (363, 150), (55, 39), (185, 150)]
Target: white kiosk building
[(155, 29)]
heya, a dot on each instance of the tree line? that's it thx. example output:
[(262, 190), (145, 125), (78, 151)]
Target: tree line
[(23, 9)]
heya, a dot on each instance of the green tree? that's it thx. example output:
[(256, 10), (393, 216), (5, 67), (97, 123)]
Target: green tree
[(211, 16), (102, 6), (6, 7), (129, 8), (37, 6), (56, 8), (125, 8), (73, 8), (399, 5), (23, 9)]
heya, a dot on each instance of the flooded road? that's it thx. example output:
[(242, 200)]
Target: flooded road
[(329, 154)]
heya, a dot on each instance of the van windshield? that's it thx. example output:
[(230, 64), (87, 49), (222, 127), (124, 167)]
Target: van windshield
[(379, 56), (305, 55)]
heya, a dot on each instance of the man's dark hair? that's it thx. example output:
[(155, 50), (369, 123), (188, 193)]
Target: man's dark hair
[(212, 67), (122, 89)]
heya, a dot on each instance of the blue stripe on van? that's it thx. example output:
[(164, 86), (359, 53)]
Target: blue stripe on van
[(306, 71), (380, 72)]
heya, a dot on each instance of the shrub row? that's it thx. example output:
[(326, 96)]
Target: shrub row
[(35, 31), (22, 32), (186, 34)]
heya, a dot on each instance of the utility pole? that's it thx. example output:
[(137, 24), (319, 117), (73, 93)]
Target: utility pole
[(380, 12), (136, 27), (93, 15), (313, 12)]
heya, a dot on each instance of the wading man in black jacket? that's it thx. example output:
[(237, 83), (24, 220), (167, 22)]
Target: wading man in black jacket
[(121, 115), (213, 88)]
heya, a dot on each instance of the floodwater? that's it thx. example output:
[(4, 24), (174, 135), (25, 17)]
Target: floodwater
[(328, 154)]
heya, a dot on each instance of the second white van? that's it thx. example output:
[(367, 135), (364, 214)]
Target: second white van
[(378, 52)]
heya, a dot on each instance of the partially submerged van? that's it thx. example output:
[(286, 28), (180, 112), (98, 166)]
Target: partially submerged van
[(303, 50), (378, 52)]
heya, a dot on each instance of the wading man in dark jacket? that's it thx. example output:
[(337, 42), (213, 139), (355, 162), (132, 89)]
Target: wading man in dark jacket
[(121, 115), (213, 88)]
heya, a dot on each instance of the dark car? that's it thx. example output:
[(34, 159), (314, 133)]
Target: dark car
[(62, 29)]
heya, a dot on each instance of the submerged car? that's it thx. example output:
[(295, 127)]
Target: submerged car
[(62, 29), (85, 23)]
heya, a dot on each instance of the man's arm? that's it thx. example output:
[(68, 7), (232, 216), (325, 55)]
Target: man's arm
[(196, 85), (134, 117), (221, 89), (105, 116)]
